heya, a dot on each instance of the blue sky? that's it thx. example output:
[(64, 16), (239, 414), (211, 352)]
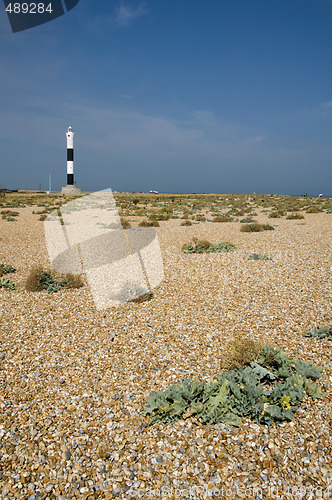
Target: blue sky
[(224, 96)]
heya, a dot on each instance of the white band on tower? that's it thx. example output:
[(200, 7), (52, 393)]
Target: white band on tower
[(70, 156)]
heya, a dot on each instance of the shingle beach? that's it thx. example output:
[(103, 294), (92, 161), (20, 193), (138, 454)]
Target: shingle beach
[(74, 380)]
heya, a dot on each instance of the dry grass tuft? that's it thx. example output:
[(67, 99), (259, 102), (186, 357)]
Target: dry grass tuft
[(143, 298), (221, 218), (240, 352), (202, 243), (73, 280), (294, 216), (33, 283), (147, 223), (313, 210), (125, 223)]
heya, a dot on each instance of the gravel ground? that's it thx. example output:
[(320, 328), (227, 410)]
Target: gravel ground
[(74, 380)]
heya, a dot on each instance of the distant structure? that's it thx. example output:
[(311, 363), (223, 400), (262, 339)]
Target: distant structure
[(154, 192), (70, 188)]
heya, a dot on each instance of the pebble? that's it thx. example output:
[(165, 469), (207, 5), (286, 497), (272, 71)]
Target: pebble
[(67, 455)]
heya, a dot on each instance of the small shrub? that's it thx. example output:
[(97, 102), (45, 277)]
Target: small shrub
[(8, 213), (258, 256), (255, 228), (241, 352), (204, 246), (42, 217), (294, 216), (313, 210), (293, 209), (186, 223), (151, 223), (247, 221), (221, 218), (200, 218), (160, 216), (224, 246), (276, 214), (39, 279)]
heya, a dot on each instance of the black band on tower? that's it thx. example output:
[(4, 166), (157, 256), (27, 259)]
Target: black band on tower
[(70, 179), (70, 155)]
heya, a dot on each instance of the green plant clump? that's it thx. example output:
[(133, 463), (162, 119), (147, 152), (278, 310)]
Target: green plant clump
[(204, 246), (313, 210), (323, 332), (221, 218), (265, 391), (39, 280), (6, 269), (276, 214), (258, 256), (248, 220), (255, 228), (149, 223), (49, 283), (8, 213), (295, 216), (7, 283)]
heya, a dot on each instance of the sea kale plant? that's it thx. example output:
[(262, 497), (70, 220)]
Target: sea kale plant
[(266, 390), (258, 256), (322, 332), (6, 269), (204, 246), (7, 283), (254, 227), (39, 279)]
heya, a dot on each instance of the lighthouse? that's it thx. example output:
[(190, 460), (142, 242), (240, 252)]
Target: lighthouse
[(70, 188), (70, 156)]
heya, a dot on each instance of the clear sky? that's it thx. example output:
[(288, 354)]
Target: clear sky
[(224, 96)]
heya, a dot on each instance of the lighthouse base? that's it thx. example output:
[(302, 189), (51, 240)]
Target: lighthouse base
[(70, 189)]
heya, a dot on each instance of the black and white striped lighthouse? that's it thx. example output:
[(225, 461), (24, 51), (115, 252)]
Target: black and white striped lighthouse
[(70, 157), (70, 188)]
